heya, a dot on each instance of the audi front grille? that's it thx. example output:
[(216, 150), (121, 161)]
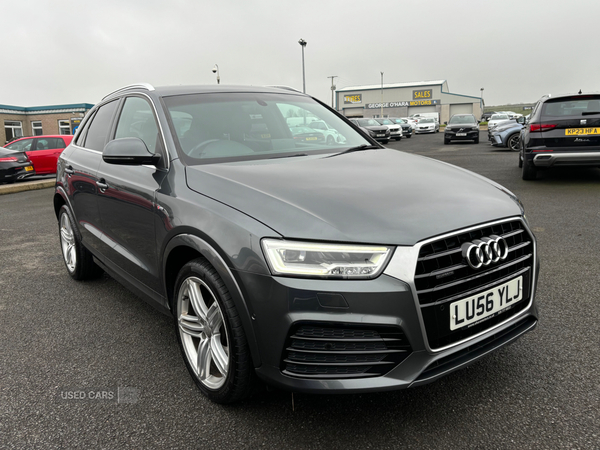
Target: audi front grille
[(317, 350), (443, 275)]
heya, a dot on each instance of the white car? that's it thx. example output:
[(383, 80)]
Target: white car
[(495, 119), (332, 136), (395, 129), (427, 125), (511, 114)]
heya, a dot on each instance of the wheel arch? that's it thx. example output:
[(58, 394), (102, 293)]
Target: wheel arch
[(186, 247)]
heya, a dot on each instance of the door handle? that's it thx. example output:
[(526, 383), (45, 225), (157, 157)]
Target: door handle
[(69, 170), (102, 185)]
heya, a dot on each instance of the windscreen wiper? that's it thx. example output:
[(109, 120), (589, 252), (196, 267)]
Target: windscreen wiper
[(357, 149)]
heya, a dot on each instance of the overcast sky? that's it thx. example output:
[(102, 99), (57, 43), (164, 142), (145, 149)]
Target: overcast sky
[(60, 52)]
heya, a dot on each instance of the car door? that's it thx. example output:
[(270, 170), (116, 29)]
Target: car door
[(126, 198), (78, 175), (44, 154)]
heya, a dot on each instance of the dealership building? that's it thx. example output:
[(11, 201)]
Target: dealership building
[(38, 120), (406, 99)]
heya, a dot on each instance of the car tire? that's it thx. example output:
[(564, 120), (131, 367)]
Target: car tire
[(513, 142), (330, 140), (529, 170), (397, 139), (476, 140), (409, 136), (210, 334), (78, 259), (384, 142), (520, 160)]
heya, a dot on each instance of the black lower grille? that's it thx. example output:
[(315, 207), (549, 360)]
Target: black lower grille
[(343, 351), (444, 276)]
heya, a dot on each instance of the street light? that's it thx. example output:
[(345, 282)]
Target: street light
[(332, 88), (481, 89), (302, 43), (216, 70), (382, 95)]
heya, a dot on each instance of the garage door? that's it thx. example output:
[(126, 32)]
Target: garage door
[(421, 109), (465, 108)]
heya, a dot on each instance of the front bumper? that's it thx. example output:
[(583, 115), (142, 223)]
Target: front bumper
[(425, 130), (384, 311), (469, 136)]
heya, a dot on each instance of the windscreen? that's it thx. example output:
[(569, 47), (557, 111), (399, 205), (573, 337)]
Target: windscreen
[(220, 127), (455, 120)]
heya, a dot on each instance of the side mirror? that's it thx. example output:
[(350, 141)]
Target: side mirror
[(445, 123), (130, 152), (521, 120)]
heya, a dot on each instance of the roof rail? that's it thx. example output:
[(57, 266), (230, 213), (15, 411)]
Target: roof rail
[(287, 88), (146, 86)]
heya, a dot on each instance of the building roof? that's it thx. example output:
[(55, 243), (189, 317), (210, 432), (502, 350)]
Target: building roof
[(393, 85), (51, 109)]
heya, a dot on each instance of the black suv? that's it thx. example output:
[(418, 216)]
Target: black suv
[(563, 130), (316, 268), (462, 127)]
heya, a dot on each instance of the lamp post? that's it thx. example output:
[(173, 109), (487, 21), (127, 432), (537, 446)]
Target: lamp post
[(382, 95), (481, 89), (302, 43), (332, 88), (216, 70)]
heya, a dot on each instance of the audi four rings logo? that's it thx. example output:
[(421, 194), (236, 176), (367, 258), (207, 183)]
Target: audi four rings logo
[(485, 251)]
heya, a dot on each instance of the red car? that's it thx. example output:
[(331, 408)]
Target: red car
[(42, 151)]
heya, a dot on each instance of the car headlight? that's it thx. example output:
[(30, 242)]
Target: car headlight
[(319, 260)]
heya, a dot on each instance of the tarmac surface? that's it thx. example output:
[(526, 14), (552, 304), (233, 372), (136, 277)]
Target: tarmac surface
[(62, 340)]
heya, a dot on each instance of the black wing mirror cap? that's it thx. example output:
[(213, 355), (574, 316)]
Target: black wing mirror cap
[(130, 152)]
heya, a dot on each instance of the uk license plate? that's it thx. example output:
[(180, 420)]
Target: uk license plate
[(461, 134), (485, 304), (580, 131), (311, 138), (381, 135), (28, 169)]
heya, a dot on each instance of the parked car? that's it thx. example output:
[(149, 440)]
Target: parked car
[(563, 130), (14, 165), (42, 151), (462, 127), (507, 135), (511, 114), (307, 134), (429, 115), (378, 132), (332, 135), (407, 128), (487, 115), (427, 125), (411, 122), (495, 119), (503, 123), (395, 129), (319, 269)]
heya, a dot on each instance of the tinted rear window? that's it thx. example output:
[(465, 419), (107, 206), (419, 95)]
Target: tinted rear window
[(573, 106)]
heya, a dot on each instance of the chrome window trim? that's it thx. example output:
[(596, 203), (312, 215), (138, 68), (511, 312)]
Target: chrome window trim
[(146, 86), (167, 155), (404, 263)]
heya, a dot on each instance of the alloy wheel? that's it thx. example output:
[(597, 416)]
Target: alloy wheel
[(67, 243), (203, 332)]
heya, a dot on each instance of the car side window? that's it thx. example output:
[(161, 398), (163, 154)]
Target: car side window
[(97, 133), (24, 145), (137, 120), (49, 144)]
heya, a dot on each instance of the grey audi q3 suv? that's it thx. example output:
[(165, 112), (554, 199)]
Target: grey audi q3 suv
[(341, 267)]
